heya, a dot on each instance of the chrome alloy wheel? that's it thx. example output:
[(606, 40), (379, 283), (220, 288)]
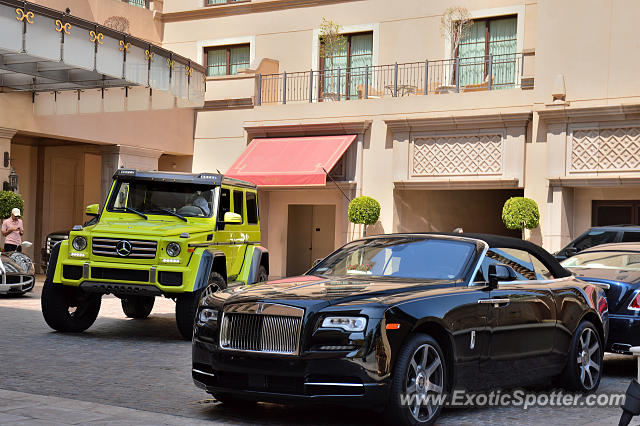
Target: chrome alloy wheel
[(425, 380), (589, 359)]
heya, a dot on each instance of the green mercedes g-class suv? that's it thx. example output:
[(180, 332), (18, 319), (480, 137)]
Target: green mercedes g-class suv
[(160, 234)]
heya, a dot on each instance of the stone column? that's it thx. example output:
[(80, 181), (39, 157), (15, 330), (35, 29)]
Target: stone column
[(5, 146), (123, 156)]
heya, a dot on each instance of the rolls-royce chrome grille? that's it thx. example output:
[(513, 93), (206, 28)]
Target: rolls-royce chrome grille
[(261, 327), (132, 249)]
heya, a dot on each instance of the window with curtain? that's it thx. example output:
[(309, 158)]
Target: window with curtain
[(226, 60), (496, 37), (139, 3), (214, 2), (359, 54)]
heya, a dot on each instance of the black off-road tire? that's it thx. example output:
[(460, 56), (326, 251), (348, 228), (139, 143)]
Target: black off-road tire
[(137, 307), (187, 304), (571, 378), (56, 302), (398, 413)]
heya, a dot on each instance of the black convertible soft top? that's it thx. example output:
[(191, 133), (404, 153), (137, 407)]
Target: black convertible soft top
[(508, 242)]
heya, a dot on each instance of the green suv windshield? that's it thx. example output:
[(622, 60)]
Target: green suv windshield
[(147, 197)]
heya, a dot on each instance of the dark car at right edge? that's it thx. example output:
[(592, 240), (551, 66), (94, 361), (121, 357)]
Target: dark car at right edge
[(391, 316)]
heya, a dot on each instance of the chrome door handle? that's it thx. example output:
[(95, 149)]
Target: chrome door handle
[(495, 302)]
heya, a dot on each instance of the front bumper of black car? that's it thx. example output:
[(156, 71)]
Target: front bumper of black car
[(336, 377)]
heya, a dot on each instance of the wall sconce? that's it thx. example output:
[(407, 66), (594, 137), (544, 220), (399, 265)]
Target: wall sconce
[(13, 180)]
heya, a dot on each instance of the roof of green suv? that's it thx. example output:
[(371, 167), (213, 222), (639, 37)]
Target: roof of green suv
[(204, 178)]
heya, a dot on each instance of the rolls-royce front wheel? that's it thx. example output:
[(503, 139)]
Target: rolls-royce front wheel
[(582, 372), (419, 382)]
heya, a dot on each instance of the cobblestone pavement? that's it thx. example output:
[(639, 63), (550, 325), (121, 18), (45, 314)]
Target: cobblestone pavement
[(144, 365)]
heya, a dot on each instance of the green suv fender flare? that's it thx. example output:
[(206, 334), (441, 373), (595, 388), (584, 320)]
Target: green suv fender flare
[(53, 262), (256, 256), (209, 259)]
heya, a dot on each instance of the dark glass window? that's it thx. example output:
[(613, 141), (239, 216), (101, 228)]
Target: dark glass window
[(630, 237), (238, 203), (252, 208), (595, 237), (542, 272), (400, 258), (225, 203)]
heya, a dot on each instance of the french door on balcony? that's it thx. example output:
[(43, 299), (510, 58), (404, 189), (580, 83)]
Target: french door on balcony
[(344, 74), (496, 37)]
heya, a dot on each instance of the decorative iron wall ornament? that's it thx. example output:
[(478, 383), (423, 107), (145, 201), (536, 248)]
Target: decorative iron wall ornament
[(63, 27), (118, 23), (171, 63), (149, 55), (124, 47), (22, 16), (189, 71), (96, 37)]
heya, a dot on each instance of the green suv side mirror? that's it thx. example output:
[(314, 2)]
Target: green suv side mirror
[(92, 210), (232, 218)]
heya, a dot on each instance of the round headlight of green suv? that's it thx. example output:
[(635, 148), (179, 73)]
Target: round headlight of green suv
[(79, 243), (173, 249)]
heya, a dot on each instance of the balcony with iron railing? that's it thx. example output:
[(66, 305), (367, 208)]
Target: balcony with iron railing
[(458, 75)]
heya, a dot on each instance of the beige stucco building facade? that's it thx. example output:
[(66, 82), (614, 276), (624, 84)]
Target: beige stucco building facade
[(540, 100)]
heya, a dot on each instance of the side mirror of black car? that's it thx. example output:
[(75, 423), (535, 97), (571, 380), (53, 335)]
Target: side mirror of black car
[(570, 251), (499, 272)]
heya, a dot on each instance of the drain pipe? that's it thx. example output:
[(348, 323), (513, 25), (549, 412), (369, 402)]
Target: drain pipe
[(631, 406)]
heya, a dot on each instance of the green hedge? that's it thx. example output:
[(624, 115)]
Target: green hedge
[(520, 212), (364, 210), (8, 201)]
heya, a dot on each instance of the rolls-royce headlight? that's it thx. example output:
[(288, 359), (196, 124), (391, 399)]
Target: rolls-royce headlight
[(207, 315), (79, 243), (173, 249), (351, 324)]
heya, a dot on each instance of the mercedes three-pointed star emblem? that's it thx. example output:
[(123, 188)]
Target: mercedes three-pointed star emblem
[(123, 248)]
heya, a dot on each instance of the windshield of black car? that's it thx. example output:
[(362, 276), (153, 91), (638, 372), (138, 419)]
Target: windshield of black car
[(411, 258), (162, 198), (605, 260)]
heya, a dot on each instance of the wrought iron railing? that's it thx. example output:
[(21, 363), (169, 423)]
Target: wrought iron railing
[(482, 73)]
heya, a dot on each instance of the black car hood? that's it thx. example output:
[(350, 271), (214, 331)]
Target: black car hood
[(309, 290)]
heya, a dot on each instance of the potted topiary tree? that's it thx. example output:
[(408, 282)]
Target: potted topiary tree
[(364, 210), (520, 213), (455, 25), (332, 45), (8, 201)]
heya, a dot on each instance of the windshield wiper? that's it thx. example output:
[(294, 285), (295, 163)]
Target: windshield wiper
[(171, 213), (129, 209)]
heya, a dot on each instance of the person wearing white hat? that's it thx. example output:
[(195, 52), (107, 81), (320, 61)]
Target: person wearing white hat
[(12, 231)]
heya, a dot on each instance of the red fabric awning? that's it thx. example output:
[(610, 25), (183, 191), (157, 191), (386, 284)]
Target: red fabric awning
[(290, 161)]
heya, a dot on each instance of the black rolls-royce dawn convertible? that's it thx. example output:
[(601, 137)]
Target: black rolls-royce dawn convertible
[(403, 314)]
